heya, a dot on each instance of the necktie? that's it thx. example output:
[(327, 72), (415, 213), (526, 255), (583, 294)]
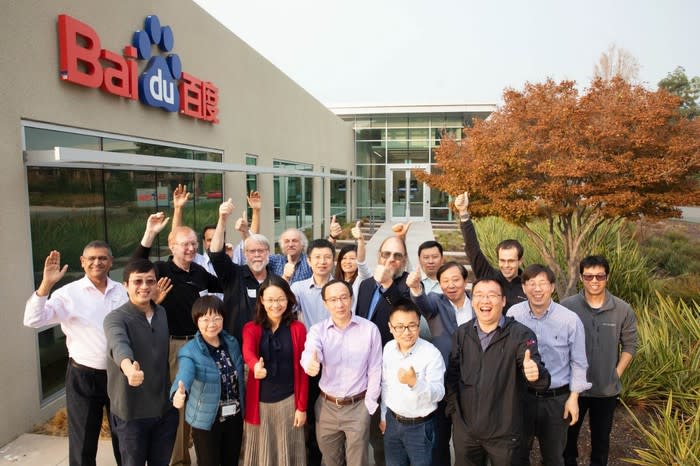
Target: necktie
[(373, 304)]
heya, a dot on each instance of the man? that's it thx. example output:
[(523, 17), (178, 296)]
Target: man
[(376, 298), (493, 358), (239, 282), (611, 342), (349, 347), (430, 259), (509, 252), (137, 371), (190, 281), (412, 385), (444, 313), (291, 264), (80, 307), (562, 344), (320, 256)]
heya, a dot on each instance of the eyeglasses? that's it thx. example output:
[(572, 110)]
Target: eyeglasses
[(271, 301), (601, 277), (412, 327), (96, 258), (531, 284), (387, 254), (339, 299), (256, 252), (186, 244), (486, 297), (209, 320), (137, 282)]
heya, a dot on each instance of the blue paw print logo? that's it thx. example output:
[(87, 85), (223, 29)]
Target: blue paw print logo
[(158, 82)]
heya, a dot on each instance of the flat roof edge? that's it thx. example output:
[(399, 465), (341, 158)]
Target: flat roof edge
[(418, 108)]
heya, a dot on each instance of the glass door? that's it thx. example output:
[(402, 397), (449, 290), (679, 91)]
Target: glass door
[(409, 198)]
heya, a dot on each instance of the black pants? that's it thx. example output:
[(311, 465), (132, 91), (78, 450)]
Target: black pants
[(313, 453), (543, 418), (441, 453), (86, 397), (600, 418), (221, 445), (471, 451), (148, 440)]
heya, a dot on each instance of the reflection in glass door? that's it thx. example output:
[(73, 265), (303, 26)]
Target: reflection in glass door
[(409, 198)]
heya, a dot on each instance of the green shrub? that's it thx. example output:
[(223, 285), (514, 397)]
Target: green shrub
[(672, 253)]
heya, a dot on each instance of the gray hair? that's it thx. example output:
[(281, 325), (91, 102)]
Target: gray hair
[(258, 238), (98, 244), (302, 237)]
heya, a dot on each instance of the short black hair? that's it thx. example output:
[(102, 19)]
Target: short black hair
[(531, 271), (493, 280), (204, 304), (207, 228), (138, 266), (320, 244), (448, 265), (593, 261), (404, 305), (430, 244), (261, 314), (98, 244), (510, 244), (333, 282)]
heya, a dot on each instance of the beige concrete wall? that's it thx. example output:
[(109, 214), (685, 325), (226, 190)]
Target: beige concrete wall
[(262, 112)]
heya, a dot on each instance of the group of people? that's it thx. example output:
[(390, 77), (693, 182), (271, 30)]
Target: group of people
[(307, 358)]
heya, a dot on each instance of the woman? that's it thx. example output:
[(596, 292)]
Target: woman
[(210, 378), (277, 386), (351, 266)]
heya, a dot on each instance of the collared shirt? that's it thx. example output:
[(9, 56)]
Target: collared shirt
[(309, 300), (351, 358), (205, 261), (561, 341), (423, 398), (431, 286), (302, 269), (465, 313), (484, 337), (80, 308)]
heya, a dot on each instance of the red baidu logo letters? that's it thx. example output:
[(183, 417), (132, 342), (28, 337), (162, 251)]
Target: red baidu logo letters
[(162, 83)]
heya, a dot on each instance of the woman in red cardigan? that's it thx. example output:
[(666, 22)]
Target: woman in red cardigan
[(277, 386)]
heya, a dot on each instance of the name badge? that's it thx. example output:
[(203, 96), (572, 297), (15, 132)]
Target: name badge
[(252, 293)]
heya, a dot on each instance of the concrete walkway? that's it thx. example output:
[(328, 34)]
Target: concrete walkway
[(46, 450)]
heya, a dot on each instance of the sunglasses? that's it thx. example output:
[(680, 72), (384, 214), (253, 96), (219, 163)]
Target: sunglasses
[(601, 277)]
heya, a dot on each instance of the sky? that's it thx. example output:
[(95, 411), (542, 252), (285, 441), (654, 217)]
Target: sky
[(389, 52)]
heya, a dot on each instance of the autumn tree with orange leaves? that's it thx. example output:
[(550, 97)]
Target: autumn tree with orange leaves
[(576, 160)]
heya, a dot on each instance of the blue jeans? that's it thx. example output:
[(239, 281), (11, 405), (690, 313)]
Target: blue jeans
[(146, 440), (406, 444)]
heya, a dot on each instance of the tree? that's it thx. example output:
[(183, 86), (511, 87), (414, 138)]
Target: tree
[(578, 162), (616, 62), (677, 83)]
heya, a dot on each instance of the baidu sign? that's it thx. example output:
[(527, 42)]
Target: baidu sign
[(162, 83)]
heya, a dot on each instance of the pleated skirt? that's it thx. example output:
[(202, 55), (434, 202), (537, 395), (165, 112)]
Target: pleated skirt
[(275, 442)]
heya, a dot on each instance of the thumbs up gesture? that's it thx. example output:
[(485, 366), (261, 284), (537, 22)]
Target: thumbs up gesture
[(242, 223), (313, 367), (135, 375), (180, 395), (259, 371), (461, 203), (383, 275), (407, 376), (336, 229), (289, 267), (532, 372), (413, 281), (226, 209), (356, 232)]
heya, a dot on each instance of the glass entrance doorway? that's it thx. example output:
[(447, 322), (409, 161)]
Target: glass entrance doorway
[(408, 198)]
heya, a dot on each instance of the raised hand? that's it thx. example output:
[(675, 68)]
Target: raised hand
[(336, 229), (407, 376), (289, 268), (356, 231), (461, 203), (413, 281), (135, 375), (254, 200), (383, 275), (180, 196), (401, 229), (242, 223), (532, 372), (164, 287), (259, 371), (313, 367), (180, 395), (53, 272), (156, 222), (226, 209)]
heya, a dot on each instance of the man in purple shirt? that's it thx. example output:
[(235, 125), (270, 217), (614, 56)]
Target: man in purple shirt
[(349, 347)]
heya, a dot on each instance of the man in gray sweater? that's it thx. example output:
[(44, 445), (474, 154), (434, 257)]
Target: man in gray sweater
[(137, 371), (611, 340)]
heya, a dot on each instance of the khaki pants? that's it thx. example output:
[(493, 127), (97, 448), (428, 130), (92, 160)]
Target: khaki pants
[(342, 433)]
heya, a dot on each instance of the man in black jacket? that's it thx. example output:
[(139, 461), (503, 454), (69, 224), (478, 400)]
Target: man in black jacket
[(493, 359), (509, 251)]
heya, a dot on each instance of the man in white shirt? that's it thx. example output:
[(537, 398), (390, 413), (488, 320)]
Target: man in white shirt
[(80, 307), (412, 385)]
